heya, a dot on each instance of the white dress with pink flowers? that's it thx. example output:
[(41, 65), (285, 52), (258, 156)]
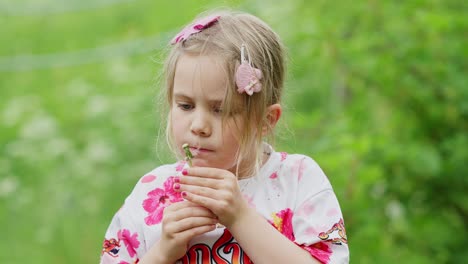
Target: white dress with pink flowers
[(290, 191)]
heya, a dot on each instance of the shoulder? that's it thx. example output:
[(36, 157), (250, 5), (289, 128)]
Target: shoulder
[(159, 177), (163, 171), (155, 184), (303, 170)]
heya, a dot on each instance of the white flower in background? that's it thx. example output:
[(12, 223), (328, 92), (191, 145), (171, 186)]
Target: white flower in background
[(394, 210), (99, 151), (44, 234), (81, 166), (56, 147), (24, 198), (97, 105), (78, 88), (5, 167), (16, 108), (378, 190), (19, 149), (8, 186), (39, 127), (119, 71)]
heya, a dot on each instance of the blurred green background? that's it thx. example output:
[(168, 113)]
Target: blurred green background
[(377, 93)]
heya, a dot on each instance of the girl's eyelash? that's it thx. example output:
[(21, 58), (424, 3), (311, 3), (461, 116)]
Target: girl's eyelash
[(185, 107), (188, 107), (218, 110)]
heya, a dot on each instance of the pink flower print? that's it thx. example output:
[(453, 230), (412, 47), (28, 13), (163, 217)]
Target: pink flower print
[(333, 212), (249, 200), (311, 231), (180, 166), (168, 188), (154, 205), (134, 262), (283, 155), (305, 209), (158, 199), (107, 259), (282, 221), (125, 262), (275, 183), (321, 251), (148, 178), (131, 241), (299, 167), (274, 175)]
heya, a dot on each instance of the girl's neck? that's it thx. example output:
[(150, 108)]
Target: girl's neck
[(246, 173)]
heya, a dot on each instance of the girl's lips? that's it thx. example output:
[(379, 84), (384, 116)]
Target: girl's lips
[(196, 151)]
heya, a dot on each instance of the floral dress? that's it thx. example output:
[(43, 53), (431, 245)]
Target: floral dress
[(290, 191)]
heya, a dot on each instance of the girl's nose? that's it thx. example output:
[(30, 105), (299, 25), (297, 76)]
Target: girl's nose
[(201, 125)]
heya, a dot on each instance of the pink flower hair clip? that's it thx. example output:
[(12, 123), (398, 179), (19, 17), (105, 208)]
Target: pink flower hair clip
[(247, 77), (197, 26)]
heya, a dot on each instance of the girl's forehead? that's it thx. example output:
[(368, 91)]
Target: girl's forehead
[(200, 74)]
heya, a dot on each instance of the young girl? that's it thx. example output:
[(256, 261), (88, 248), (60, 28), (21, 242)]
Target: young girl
[(237, 200)]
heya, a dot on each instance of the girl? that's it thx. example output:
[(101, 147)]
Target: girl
[(240, 201)]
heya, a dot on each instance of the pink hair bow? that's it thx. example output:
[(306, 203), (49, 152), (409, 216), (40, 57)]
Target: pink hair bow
[(197, 26), (247, 77)]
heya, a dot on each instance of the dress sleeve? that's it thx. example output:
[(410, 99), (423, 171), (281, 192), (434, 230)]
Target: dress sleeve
[(317, 220), (319, 228), (123, 239)]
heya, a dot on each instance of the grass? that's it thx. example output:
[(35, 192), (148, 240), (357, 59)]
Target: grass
[(79, 119)]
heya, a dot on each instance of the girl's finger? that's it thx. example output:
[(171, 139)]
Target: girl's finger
[(206, 182), (207, 172), (179, 205), (213, 204), (197, 211), (200, 190), (196, 231), (192, 222)]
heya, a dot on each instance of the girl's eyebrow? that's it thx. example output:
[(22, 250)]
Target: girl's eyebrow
[(182, 96)]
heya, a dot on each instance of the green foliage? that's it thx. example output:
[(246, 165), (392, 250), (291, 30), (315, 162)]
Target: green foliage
[(388, 89), (377, 94)]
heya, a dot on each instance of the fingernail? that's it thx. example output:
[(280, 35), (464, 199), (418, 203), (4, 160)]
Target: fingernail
[(184, 172), (184, 194), (176, 179), (176, 186)]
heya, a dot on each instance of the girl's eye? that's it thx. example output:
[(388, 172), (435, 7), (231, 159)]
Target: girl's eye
[(185, 107), (217, 110)]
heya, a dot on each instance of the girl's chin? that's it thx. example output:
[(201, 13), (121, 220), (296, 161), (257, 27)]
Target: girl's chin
[(202, 163)]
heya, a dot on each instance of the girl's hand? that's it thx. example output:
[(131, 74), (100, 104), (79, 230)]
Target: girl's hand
[(215, 189), (181, 222)]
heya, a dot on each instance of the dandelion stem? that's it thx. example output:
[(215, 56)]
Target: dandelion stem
[(188, 154)]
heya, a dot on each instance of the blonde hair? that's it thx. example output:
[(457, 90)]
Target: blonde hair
[(224, 40)]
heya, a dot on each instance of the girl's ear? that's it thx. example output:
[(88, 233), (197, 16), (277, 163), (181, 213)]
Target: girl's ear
[(273, 114)]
